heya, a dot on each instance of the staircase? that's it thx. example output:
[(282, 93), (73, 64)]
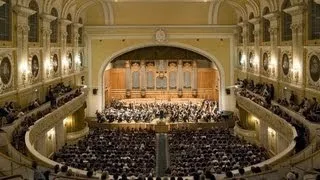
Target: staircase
[(162, 154)]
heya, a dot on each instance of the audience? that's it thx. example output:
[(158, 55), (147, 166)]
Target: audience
[(115, 151), (214, 150), (302, 131)]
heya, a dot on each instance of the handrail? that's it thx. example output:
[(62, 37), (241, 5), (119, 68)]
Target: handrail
[(40, 122), (11, 177)]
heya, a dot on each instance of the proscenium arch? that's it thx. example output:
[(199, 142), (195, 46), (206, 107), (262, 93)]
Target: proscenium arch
[(210, 57)]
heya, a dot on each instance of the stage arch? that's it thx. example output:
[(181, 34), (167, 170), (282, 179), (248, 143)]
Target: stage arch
[(212, 58)]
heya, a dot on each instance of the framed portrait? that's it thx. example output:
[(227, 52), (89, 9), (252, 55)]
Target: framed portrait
[(5, 70), (35, 66), (265, 61), (55, 63), (314, 68), (285, 64)]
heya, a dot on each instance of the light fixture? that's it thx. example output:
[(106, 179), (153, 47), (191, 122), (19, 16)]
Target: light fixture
[(50, 133)]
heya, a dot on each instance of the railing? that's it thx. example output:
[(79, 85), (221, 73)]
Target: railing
[(312, 126), (46, 123), (78, 134), (248, 135)]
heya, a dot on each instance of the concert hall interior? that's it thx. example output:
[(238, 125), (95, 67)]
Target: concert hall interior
[(159, 89)]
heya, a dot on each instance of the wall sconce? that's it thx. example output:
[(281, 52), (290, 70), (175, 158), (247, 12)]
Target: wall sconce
[(272, 132), (65, 64), (295, 72), (24, 72), (67, 121), (50, 134)]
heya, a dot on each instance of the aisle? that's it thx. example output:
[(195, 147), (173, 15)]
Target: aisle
[(162, 158)]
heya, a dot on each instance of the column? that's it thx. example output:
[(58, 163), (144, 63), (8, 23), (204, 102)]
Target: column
[(76, 65), (40, 145), (63, 43), (180, 75), (143, 75), (263, 134), (297, 42), (194, 83), (22, 42), (256, 32), (46, 32), (274, 31), (128, 78), (245, 35), (60, 135)]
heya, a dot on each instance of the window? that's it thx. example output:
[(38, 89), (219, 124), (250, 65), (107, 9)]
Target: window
[(5, 21), (314, 20), (80, 32), (33, 22), (286, 18), (265, 26), (69, 30), (251, 29), (54, 26)]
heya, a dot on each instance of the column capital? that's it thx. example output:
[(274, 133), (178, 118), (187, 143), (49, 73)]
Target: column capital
[(243, 24), (23, 28), (65, 22), (295, 10), (46, 31), (127, 64), (272, 16), (23, 11), (77, 25), (2, 3), (47, 17), (255, 20)]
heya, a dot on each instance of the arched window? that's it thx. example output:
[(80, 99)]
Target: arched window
[(5, 21), (80, 32), (69, 30), (54, 26), (314, 20), (286, 32), (33, 22), (266, 25), (251, 29)]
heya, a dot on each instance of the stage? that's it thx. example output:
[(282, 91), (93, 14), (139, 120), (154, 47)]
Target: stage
[(155, 124)]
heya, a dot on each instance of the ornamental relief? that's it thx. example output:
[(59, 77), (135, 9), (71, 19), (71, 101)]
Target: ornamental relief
[(313, 70), (6, 71), (33, 72), (286, 66), (266, 70)]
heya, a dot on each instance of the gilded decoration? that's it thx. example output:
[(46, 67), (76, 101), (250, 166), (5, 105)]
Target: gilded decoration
[(313, 70), (286, 66), (6, 71)]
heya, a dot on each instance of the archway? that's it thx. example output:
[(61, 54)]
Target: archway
[(201, 52)]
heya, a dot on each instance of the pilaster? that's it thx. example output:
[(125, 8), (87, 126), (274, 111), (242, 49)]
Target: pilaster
[(194, 84), (128, 75), (143, 75), (22, 42), (40, 145), (60, 135), (297, 41), (257, 35), (274, 42), (245, 35), (180, 75), (63, 39), (46, 32), (75, 37)]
